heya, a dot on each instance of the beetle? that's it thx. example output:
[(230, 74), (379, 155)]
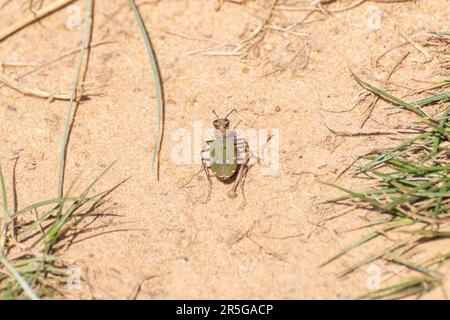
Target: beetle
[(228, 156)]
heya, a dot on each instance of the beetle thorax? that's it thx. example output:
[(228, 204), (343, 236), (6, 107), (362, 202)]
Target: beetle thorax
[(222, 125)]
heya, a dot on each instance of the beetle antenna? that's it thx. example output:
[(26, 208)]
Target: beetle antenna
[(234, 110), (215, 113)]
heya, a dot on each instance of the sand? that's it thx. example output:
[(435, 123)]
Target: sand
[(164, 242)]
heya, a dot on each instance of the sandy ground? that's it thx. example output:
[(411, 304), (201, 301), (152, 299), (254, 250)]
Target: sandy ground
[(166, 243)]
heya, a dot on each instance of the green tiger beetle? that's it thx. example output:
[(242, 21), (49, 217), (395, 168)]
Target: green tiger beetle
[(228, 156)]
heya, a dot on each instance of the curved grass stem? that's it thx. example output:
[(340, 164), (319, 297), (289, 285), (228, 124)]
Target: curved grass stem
[(158, 85), (73, 98)]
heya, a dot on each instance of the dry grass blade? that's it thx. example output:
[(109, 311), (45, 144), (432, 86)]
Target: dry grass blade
[(373, 103), (35, 92), (34, 17)]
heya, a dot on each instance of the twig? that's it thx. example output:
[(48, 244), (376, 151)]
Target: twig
[(64, 55), (421, 49), (242, 48), (39, 66), (352, 6), (362, 132), (375, 99), (33, 17), (137, 289), (377, 61), (220, 3), (189, 37), (35, 92), (286, 30)]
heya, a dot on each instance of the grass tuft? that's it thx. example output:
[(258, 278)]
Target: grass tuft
[(29, 264), (413, 188)]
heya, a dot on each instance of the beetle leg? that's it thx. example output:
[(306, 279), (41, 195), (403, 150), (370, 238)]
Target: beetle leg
[(241, 175), (232, 193), (192, 178), (244, 175), (201, 169), (246, 169), (205, 168), (209, 183)]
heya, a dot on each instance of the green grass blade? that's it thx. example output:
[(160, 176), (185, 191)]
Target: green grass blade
[(437, 138), (157, 80), (375, 257), (97, 179), (6, 214), (439, 98), (391, 98), (403, 289), (370, 236), (22, 282), (57, 229), (73, 96), (414, 266), (444, 53), (4, 195), (44, 203), (349, 248)]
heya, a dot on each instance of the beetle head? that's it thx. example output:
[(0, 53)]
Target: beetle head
[(221, 124)]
